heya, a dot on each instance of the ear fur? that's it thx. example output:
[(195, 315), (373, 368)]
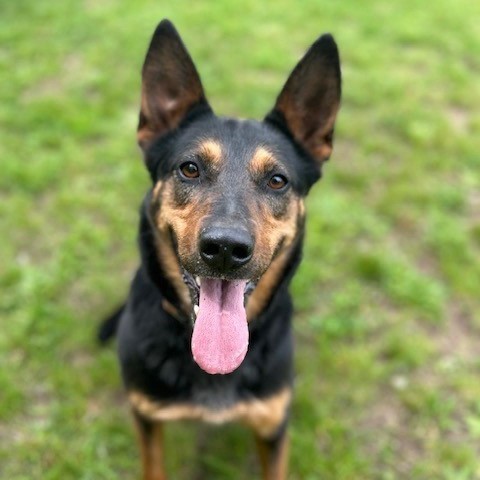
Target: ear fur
[(308, 104), (171, 86)]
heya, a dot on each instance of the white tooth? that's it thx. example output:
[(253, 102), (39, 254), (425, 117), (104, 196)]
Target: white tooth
[(196, 308), (197, 279)]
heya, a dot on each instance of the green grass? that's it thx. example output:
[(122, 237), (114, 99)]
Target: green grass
[(388, 325)]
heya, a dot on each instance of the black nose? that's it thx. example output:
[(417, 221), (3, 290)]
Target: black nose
[(226, 248)]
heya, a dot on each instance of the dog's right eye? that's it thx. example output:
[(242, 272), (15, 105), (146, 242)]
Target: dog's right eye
[(190, 170)]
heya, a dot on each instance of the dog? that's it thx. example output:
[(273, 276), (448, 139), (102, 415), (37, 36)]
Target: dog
[(205, 333)]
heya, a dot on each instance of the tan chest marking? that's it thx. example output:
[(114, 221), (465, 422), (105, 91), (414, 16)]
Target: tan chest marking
[(264, 415)]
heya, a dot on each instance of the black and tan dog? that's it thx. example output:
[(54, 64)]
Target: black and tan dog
[(206, 331)]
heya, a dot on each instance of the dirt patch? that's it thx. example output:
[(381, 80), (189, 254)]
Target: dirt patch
[(459, 119), (389, 436), (458, 340)]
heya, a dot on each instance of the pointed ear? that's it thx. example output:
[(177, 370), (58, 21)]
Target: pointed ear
[(171, 86), (308, 104)]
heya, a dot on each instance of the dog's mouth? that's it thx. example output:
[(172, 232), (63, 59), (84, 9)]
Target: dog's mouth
[(220, 328)]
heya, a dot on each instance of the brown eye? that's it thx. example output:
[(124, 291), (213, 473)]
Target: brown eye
[(277, 182), (190, 170)]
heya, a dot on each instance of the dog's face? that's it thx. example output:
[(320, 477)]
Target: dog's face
[(230, 196), (227, 200)]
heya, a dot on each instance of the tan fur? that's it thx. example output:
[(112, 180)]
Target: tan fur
[(261, 162), (171, 267), (169, 308), (270, 232), (166, 253), (273, 230), (211, 152), (151, 450), (264, 416), (184, 219), (274, 463), (156, 190), (301, 207), (257, 301)]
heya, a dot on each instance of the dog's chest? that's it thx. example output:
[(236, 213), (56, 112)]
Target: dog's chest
[(264, 415)]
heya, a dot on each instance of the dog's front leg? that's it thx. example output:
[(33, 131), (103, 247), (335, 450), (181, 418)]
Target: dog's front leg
[(273, 453), (150, 434)]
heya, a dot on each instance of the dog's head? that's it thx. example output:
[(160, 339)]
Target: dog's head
[(227, 199)]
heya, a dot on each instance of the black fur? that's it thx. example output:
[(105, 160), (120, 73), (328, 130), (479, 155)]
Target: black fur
[(154, 346), (109, 326), (155, 350)]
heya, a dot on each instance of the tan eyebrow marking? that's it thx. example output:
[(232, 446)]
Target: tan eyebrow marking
[(262, 161), (210, 151)]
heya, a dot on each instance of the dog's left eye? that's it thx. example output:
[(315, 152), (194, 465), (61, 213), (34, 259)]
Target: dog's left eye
[(277, 182), (190, 170)]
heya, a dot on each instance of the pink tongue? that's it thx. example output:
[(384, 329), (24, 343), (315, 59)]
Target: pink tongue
[(220, 334)]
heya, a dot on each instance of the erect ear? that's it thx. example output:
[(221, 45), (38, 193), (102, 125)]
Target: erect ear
[(171, 86), (308, 104)]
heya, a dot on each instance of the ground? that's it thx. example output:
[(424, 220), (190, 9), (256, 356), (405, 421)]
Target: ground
[(387, 324)]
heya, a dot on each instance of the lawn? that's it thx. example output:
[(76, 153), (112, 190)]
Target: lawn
[(387, 298)]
